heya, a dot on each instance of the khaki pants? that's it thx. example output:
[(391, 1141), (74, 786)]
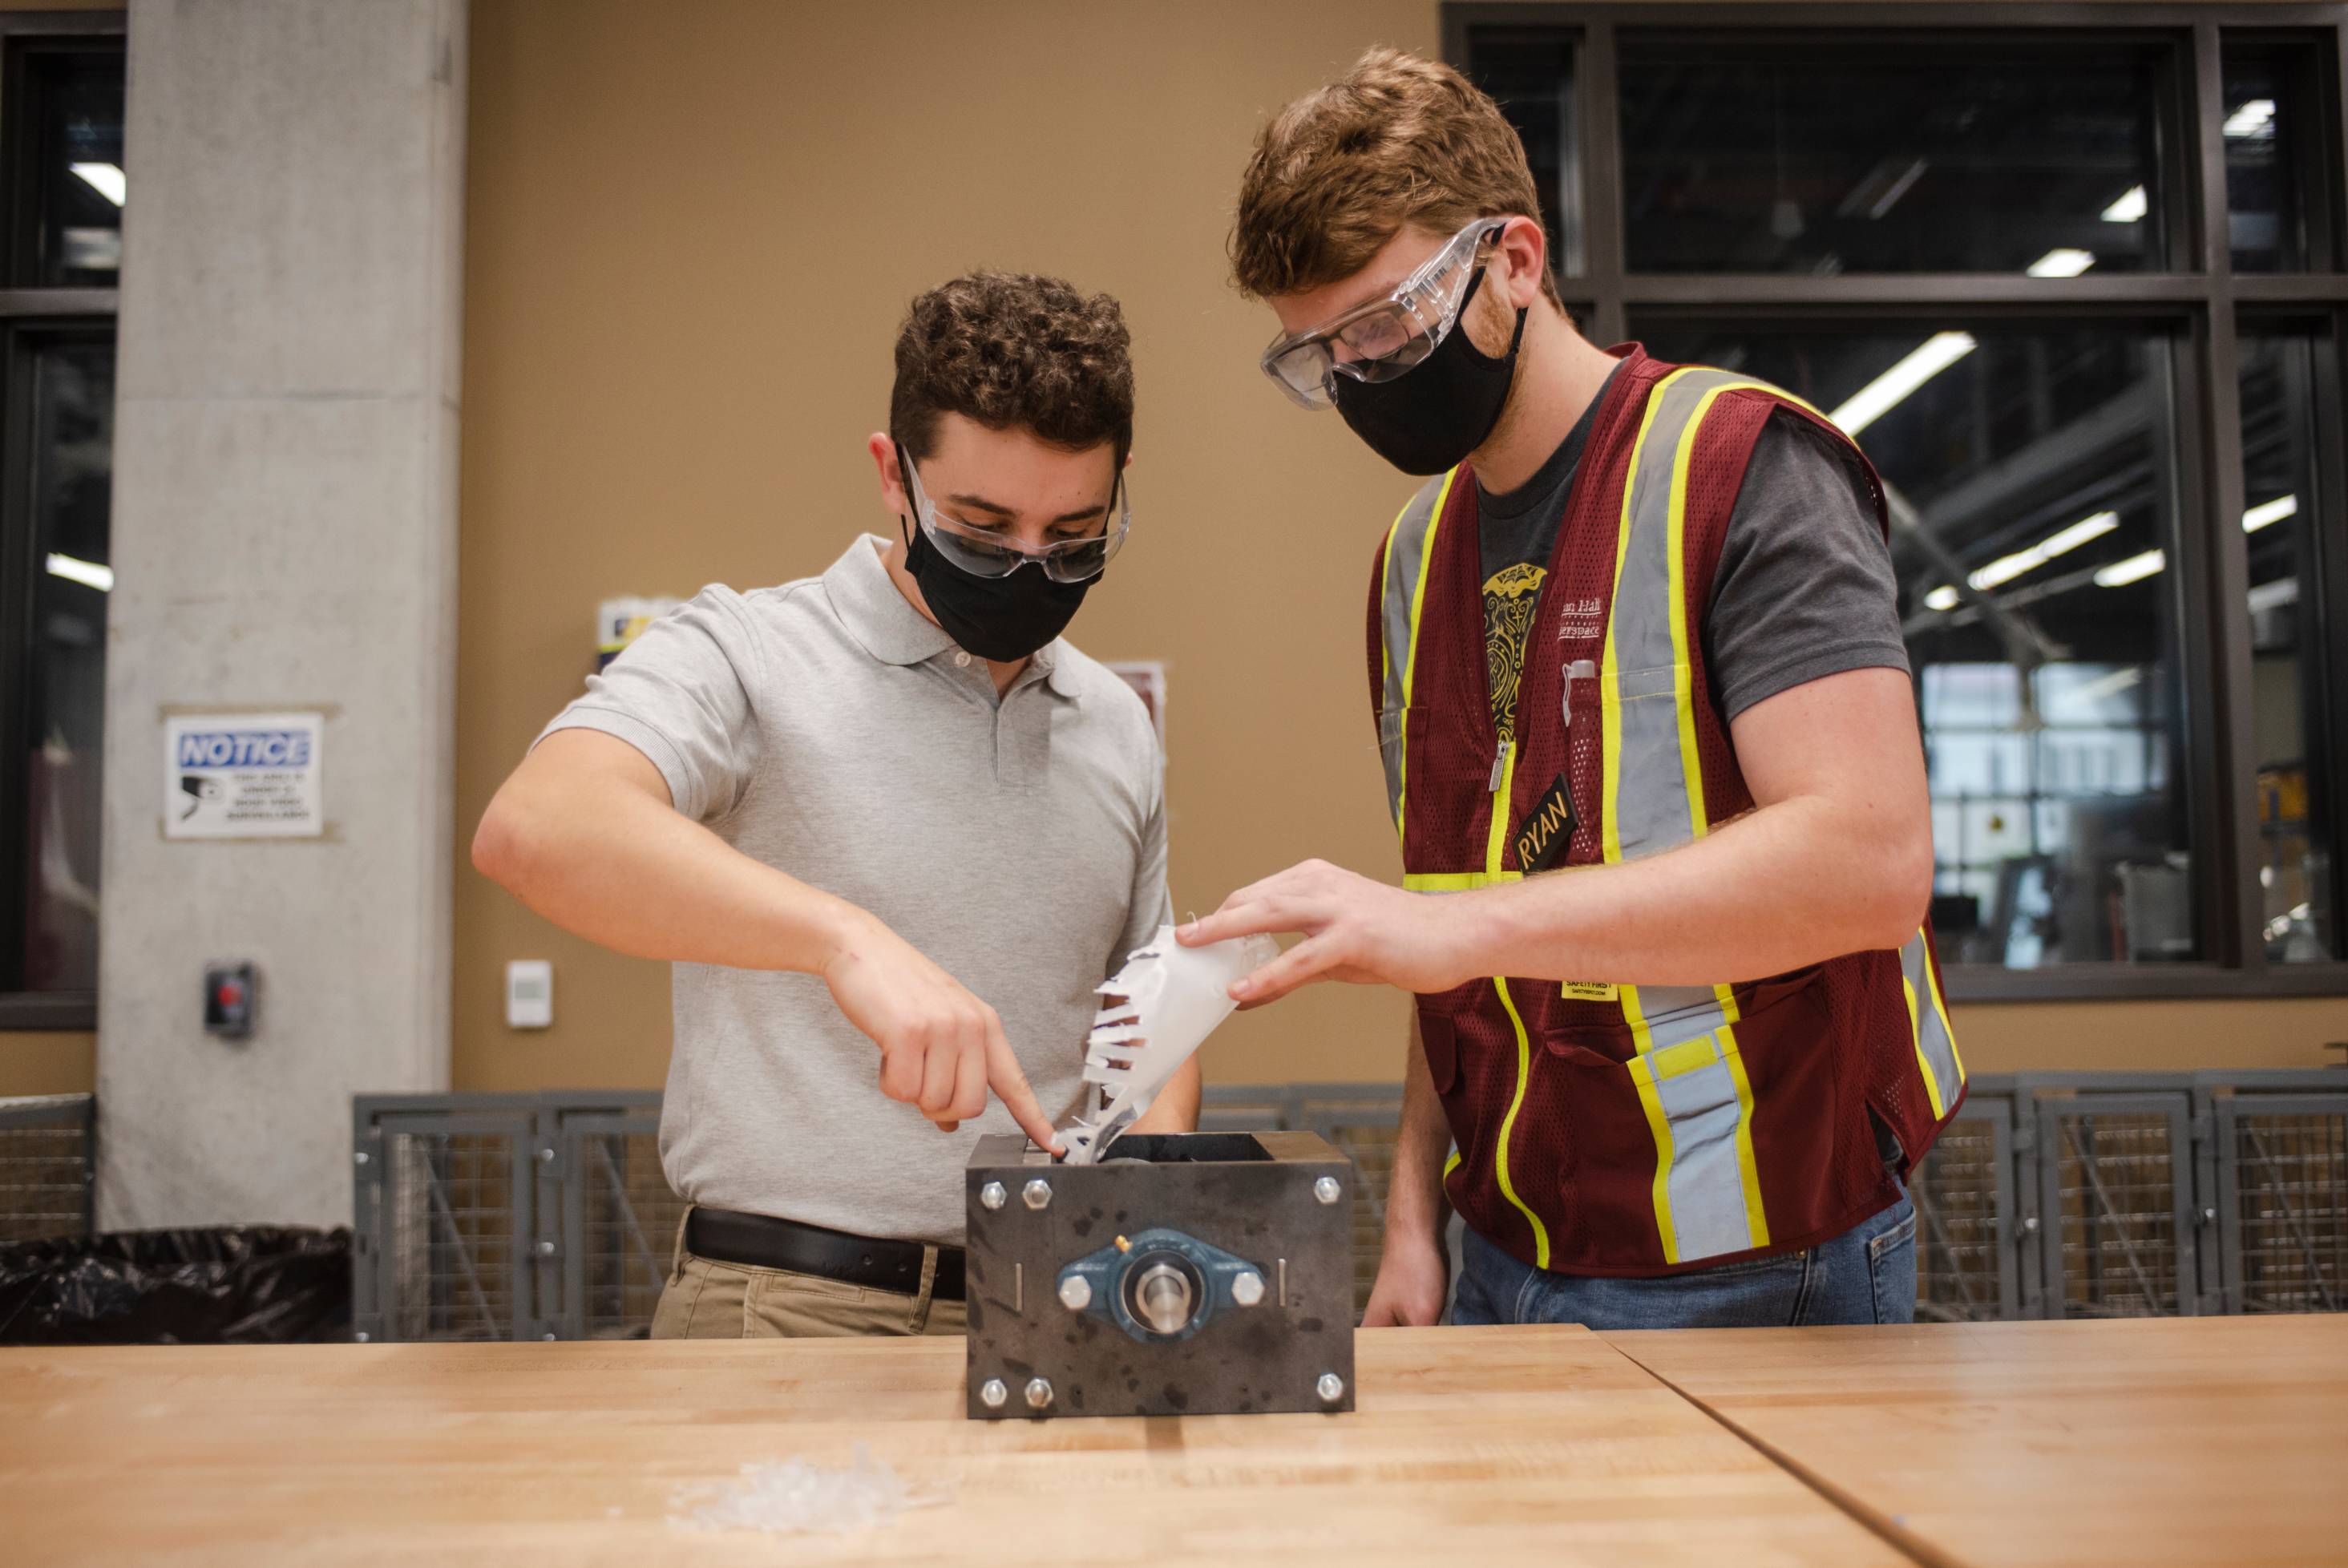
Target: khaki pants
[(703, 1299)]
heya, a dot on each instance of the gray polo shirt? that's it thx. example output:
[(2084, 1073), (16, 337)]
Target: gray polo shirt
[(826, 728)]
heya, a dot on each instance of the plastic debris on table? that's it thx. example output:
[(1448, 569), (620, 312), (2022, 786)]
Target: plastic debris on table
[(795, 1497)]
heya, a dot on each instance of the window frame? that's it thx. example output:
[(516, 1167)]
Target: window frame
[(2201, 299), (28, 314)]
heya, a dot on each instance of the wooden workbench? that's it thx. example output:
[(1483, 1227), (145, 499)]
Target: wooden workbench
[(2207, 1441), (1482, 1446)]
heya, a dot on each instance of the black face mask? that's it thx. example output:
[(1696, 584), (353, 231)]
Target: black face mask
[(999, 618), (1432, 415)]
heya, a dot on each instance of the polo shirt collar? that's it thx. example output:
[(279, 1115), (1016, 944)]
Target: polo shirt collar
[(878, 617)]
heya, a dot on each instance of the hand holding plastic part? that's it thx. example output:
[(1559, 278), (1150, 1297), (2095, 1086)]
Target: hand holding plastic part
[(1162, 1005)]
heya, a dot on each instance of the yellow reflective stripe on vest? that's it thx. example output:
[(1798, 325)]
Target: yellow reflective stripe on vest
[(1456, 881), (1942, 1070), (1509, 1124), (1402, 598), (1687, 1070)]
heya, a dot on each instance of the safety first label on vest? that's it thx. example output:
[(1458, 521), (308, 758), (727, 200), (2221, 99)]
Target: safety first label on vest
[(242, 775), (1589, 991)]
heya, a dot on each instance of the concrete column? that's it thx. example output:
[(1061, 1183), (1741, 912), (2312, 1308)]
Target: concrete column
[(284, 538)]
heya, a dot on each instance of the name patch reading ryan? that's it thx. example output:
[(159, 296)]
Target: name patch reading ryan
[(1547, 830)]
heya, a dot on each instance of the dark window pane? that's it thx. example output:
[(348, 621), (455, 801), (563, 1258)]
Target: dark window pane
[(70, 385), (64, 133), (1821, 154), (1529, 72), (2288, 518), (2033, 525), (2270, 107)]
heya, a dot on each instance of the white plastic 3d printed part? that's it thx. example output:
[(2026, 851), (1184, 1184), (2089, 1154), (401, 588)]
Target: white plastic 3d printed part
[(1163, 1005)]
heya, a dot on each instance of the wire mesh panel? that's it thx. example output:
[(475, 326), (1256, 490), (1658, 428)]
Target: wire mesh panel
[(2116, 1173), (1964, 1192), (2283, 1201), (619, 1219), (1361, 1119), (48, 1151), (444, 1233)]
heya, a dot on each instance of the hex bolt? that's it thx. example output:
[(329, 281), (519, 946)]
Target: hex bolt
[(1038, 1194), (991, 1195), (1039, 1394), (1075, 1293), (992, 1393), (548, 1337), (546, 1249), (361, 1336), (359, 1156), (546, 1154), (1327, 1190), (2030, 1223), (1247, 1287), (1331, 1388)]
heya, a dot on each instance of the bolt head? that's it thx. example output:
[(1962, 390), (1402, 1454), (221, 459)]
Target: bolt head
[(991, 1195), (546, 1249), (1247, 1287), (992, 1393), (1037, 1194), (547, 1337), (546, 1154), (1039, 1394), (1327, 1190), (358, 1156), (361, 1336), (1075, 1293), (1331, 1388)]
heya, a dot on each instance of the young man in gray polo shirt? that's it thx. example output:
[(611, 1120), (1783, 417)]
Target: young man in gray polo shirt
[(884, 822)]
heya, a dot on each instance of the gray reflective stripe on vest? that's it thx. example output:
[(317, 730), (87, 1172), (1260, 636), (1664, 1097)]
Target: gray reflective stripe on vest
[(1705, 1204), (1936, 1047), (1657, 806), (1405, 565)]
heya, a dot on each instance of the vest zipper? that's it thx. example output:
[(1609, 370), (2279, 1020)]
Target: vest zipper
[(1499, 767)]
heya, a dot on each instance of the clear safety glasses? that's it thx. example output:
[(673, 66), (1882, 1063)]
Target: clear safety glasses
[(1381, 339), (987, 548)]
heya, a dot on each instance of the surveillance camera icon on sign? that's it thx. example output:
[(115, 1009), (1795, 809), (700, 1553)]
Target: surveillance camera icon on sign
[(199, 789)]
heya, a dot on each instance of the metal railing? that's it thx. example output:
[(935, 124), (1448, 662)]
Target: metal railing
[(48, 1166), (2051, 1195)]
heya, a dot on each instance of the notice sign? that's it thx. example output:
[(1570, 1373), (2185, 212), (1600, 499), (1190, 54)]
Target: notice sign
[(242, 775)]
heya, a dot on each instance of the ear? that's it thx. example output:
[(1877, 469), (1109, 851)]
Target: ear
[(1522, 258), (892, 482)]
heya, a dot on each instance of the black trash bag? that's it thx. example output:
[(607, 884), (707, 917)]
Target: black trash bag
[(244, 1285)]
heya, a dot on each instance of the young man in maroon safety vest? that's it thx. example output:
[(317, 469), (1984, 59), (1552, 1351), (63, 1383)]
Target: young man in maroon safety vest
[(1638, 628)]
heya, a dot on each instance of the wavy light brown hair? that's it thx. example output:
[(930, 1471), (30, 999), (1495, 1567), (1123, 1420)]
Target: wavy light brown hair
[(1014, 350), (1397, 139)]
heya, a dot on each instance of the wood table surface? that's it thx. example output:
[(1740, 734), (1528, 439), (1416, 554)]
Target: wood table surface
[(1482, 1446), (2200, 1441)]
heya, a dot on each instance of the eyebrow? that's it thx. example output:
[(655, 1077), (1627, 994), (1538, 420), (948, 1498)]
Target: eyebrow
[(980, 503)]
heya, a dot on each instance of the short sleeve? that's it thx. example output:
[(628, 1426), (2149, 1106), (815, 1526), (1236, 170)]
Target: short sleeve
[(680, 694), (1804, 589)]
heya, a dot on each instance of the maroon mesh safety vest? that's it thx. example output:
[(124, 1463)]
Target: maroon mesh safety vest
[(1605, 1128)]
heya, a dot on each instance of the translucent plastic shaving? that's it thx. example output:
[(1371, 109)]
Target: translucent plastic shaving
[(794, 1497), (1162, 1005)]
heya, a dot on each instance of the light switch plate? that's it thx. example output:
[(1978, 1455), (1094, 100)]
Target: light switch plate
[(530, 994)]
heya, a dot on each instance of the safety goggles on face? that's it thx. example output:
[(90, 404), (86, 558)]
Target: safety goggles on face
[(988, 550), (1381, 339)]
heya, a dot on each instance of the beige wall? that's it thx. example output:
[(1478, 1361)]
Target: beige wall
[(691, 230)]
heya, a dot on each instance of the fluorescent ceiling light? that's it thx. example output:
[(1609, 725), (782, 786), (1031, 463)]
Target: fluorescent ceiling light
[(2119, 573), (1875, 399), (1942, 598), (2130, 208), (2062, 262), (2268, 512), (105, 178), (2252, 118), (2006, 568), (88, 573)]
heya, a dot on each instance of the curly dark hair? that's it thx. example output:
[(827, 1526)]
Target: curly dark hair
[(1014, 350)]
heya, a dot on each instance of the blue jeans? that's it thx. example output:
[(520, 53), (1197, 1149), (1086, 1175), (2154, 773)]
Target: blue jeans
[(1867, 1275)]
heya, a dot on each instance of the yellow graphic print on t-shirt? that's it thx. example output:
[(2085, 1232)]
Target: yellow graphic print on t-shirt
[(1510, 597)]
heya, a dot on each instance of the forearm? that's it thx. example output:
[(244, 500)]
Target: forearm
[(1415, 1207), (1787, 885), (615, 864), (1176, 1109)]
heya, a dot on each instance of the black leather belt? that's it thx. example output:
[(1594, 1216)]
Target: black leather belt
[(764, 1242)]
